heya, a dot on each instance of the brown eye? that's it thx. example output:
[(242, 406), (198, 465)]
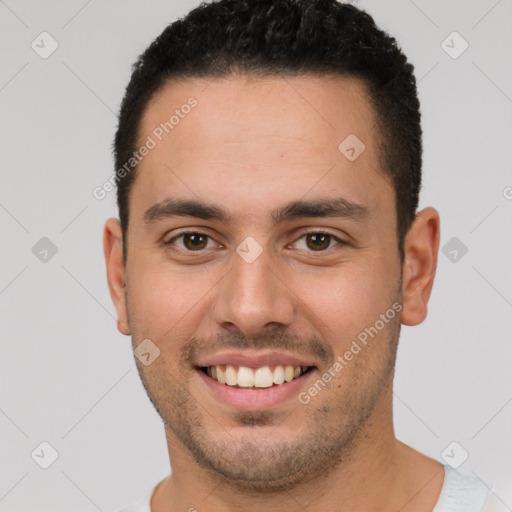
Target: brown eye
[(194, 241), (318, 241), (191, 241)]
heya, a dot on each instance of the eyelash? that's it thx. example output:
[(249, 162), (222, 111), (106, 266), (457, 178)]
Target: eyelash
[(313, 232)]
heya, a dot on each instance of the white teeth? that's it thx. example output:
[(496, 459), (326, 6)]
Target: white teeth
[(245, 377), (279, 375), (221, 376), (288, 373), (263, 377), (231, 376)]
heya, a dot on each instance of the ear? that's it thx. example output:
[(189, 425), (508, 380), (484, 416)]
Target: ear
[(113, 250), (420, 264)]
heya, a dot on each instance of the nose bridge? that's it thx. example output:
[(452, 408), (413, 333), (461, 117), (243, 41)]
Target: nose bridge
[(252, 295)]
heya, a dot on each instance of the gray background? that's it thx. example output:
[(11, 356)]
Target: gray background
[(69, 378)]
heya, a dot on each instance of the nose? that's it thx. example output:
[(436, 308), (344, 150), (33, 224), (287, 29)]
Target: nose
[(253, 297)]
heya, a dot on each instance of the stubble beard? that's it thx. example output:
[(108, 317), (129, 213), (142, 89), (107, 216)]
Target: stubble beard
[(331, 433)]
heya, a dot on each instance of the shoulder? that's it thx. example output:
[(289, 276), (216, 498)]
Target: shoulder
[(466, 493)]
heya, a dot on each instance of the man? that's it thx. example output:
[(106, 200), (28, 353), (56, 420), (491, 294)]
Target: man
[(268, 162)]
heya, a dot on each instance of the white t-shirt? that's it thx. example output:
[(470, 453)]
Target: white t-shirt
[(460, 493)]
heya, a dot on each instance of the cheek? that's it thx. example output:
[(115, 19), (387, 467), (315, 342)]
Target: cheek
[(165, 302), (344, 303)]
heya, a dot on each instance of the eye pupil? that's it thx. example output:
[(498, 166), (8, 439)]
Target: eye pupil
[(320, 240), (194, 241)]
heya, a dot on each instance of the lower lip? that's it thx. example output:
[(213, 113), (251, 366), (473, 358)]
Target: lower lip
[(255, 399)]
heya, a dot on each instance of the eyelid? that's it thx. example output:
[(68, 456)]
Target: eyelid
[(321, 231)]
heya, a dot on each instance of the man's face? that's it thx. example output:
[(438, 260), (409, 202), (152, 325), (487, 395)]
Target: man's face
[(287, 296)]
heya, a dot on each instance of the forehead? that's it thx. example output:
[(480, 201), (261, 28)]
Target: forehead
[(305, 106), (268, 137)]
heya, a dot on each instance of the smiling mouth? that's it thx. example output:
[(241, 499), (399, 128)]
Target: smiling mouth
[(256, 378)]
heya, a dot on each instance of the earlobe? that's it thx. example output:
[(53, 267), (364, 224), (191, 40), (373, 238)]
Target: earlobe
[(420, 264), (113, 251)]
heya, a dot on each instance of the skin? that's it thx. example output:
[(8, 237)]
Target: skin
[(252, 145)]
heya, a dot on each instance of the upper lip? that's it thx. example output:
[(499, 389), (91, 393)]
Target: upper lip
[(253, 359)]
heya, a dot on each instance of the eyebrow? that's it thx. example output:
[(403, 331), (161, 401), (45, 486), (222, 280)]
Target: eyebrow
[(328, 207)]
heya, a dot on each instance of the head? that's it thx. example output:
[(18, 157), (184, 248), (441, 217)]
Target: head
[(275, 216)]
